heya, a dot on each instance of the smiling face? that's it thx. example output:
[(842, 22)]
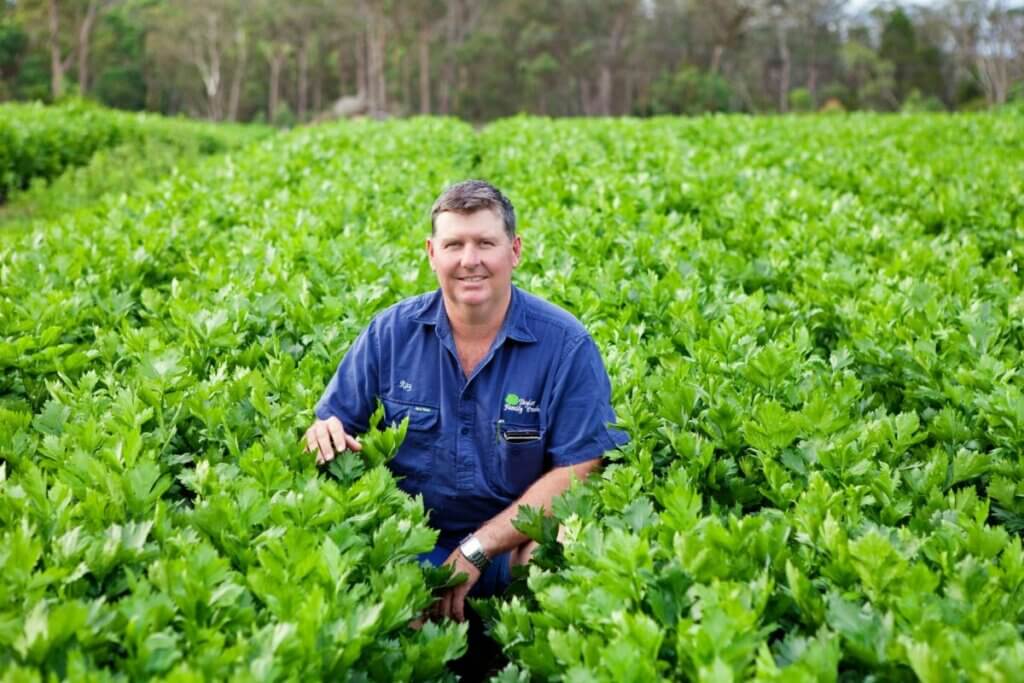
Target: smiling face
[(474, 259)]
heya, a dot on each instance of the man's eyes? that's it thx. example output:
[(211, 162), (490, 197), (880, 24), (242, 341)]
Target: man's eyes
[(456, 245)]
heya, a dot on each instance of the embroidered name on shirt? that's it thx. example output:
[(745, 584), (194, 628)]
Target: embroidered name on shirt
[(404, 386), (517, 404)]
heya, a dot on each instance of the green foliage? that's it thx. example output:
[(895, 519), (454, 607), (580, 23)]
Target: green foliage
[(812, 326), (13, 40), (916, 102), (38, 143), (800, 100), (158, 516), (120, 57), (690, 91), (872, 78), (283, 117), (817, 359), (126, 168)]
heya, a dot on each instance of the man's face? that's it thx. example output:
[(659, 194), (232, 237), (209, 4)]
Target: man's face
[(473, 257)]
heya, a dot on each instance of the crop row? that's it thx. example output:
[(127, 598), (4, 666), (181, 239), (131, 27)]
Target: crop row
[(41, 142), (814, 334), (158, 364)]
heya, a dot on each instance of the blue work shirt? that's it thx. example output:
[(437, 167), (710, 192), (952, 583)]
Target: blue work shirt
[(539, 399)]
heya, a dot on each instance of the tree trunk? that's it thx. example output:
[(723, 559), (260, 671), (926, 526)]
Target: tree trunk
[(207, 59), (317, 104), (812, 72), (1004, 44), (342, 72), (362, 70), (728, 30), (587, 97), (630, 86), (376, 73), (716, 59), (784, 68), (444, 95), (56, 63), (153, 93), (992, 73), (424, 53), (604, 91), (812, 84), (606, 76), (274, 95), (382, 73), (406, 76), (84, 41), (451, 29), (302, 92), (373, 103), (235, 97)]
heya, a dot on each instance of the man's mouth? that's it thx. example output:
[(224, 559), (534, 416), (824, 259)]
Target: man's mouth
[(473, 278)]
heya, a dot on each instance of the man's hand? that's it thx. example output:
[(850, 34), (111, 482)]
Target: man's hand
[(453, 602), (328, 437)]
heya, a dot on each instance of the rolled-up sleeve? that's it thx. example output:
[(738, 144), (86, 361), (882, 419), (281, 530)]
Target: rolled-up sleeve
[(581, 418), (351, 394)]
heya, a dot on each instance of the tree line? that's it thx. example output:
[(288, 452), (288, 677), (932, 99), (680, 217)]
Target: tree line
[(293, 62)]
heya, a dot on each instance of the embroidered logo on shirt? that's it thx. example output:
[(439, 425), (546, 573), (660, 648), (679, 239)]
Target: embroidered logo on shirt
[(404, 386), (516, 404)]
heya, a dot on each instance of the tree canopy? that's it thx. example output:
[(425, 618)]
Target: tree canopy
[(287, 63)]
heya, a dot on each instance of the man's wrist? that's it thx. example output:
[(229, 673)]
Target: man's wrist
[(473, 550)]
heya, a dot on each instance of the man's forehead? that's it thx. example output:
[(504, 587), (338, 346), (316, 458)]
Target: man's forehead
[(456, 222)]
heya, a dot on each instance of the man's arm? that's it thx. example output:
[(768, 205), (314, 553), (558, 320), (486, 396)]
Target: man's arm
[(499, 536), (347, 401)]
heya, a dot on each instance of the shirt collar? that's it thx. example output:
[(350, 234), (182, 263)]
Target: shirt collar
[(515, 326)]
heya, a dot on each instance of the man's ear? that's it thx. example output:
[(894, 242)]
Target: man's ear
[(430, 253), (517, 250)]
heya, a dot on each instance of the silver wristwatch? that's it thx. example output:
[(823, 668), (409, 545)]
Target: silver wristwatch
[(473, 551)]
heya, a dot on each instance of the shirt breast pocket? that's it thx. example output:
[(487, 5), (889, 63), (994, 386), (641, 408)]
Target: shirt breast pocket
[(415, 456), (521, 447)]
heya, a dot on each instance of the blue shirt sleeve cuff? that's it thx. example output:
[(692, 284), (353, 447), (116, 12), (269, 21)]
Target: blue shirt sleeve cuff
[(613, 439)]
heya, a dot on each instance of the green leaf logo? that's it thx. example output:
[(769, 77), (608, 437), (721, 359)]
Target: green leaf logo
[(511, 400)]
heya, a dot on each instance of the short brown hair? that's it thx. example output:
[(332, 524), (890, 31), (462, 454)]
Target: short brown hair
[(471, 196)]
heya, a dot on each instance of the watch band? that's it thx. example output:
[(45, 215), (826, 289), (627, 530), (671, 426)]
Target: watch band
[(473, 551)]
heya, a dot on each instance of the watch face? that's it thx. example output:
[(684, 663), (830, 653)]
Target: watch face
[(473, 551)]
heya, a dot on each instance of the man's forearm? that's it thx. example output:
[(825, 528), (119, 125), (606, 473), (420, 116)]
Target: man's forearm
[(499, 536)]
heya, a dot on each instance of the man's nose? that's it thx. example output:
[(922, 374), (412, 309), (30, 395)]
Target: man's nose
[(470, 256)]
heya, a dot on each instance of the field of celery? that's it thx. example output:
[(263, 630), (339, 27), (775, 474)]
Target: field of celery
[(813, 326)]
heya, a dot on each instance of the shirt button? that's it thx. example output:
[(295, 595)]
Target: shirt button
[(465, 431)]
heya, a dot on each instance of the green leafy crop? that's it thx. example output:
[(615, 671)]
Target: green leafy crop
[(812, 328), (813, 332), (38, 143), (158, 515)]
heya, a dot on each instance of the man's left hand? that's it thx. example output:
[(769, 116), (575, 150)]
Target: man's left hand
[(452, 602)]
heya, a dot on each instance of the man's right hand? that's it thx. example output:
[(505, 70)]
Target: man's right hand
[(328, 437)]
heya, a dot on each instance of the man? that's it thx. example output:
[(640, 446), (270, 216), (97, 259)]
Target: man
[(506, 394)]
